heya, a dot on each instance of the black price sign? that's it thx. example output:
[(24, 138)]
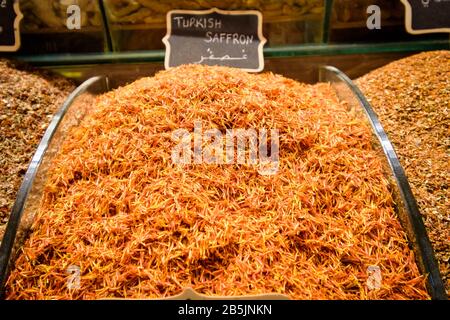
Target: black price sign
[(215, 37), (10, 17), (427, 16)]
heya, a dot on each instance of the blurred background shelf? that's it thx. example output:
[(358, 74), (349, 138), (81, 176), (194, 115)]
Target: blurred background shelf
[(293, 28)]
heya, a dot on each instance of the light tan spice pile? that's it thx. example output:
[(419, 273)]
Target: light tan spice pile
[(28, 99), (139, 226), (412, 99)]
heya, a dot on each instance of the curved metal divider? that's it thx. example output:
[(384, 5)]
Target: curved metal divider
[(413, 219), (14, 221)]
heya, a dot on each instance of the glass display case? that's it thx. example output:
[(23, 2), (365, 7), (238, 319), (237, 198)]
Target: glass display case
[(44, 27), (291, 27), (141, 24)]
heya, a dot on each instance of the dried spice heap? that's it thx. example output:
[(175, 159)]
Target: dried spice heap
[(138, 225), (28, 99), (412, 98)]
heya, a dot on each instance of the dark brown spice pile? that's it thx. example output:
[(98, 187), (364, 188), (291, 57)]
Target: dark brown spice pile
[(412, 98), (28, 99)]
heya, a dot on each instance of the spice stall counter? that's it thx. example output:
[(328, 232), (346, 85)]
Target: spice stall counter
[(339, 207)]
